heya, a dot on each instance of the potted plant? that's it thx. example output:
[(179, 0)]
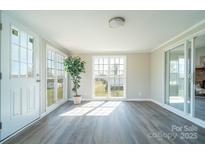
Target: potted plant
[(75, 66)]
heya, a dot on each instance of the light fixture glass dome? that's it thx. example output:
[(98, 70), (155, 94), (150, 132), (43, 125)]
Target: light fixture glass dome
[(116, 22)]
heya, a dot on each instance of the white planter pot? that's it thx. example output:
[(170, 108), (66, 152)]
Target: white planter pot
[(77, 99)]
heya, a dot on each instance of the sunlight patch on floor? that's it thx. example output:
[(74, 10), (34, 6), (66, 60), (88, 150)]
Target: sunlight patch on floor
[(101, 112), (93, 108), (112, 104), (77, 111), (93, 104)]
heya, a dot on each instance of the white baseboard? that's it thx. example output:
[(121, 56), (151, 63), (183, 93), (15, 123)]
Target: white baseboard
[(114, 99), (138, 99), (181, 113)]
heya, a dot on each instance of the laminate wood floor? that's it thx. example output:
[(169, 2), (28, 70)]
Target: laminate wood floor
[(111, 122), (200, 107)]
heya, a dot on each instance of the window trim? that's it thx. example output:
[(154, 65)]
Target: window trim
[(107, 77), (64, 77)]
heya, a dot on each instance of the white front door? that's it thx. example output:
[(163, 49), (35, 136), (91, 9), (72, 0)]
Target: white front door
[(20, 76)]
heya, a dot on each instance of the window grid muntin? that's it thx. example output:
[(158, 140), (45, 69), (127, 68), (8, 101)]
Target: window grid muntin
[(119, 78), (16, 41), (54, 60), (55, 64)]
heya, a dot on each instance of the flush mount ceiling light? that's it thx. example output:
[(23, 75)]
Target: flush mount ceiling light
[(116, 22)]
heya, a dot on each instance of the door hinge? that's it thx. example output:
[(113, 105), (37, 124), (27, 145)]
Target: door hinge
[(0, 26), (0, 75), (0, 125)]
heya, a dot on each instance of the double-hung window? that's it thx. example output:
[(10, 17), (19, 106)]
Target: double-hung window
[(109, 77)]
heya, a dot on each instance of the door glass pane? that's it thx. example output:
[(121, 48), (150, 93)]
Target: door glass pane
[(48, 63), (112, 60), (30, 70), (117, 91), (20, 42), (23, 55), (117, 60), (60, 88), (15, 69), (121, 61), (49, 72), (49, 55), (23, 69), (115, 69), (30, 56), (50, 92), (52, 55), (105, 61), (14, 36), (200, 77), (53, 64), (15, 52), (101, 87), (55, 71), (30, 43), (116, 87), (23, 39), (101, 61), (176, 78)]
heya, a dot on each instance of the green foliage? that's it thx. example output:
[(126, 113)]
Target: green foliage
[(74, 66)]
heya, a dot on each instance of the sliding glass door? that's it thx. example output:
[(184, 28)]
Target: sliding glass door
[(175, 77), (185, 77), (109, 76), (199, 80)]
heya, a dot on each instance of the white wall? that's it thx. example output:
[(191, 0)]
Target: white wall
[(138, 76), (157, 76)]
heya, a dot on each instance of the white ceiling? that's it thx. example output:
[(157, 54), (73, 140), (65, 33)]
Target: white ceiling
[(89, 32)]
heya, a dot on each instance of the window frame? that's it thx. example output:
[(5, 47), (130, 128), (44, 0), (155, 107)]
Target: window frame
[(167, 75), (29, 35), (55, 77), (109, 76)]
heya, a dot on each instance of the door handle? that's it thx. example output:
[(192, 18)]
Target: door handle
[(38, 80)]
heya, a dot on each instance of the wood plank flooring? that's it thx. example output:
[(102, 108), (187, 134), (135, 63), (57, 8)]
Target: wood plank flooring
[(200, 107), (108, 122)]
